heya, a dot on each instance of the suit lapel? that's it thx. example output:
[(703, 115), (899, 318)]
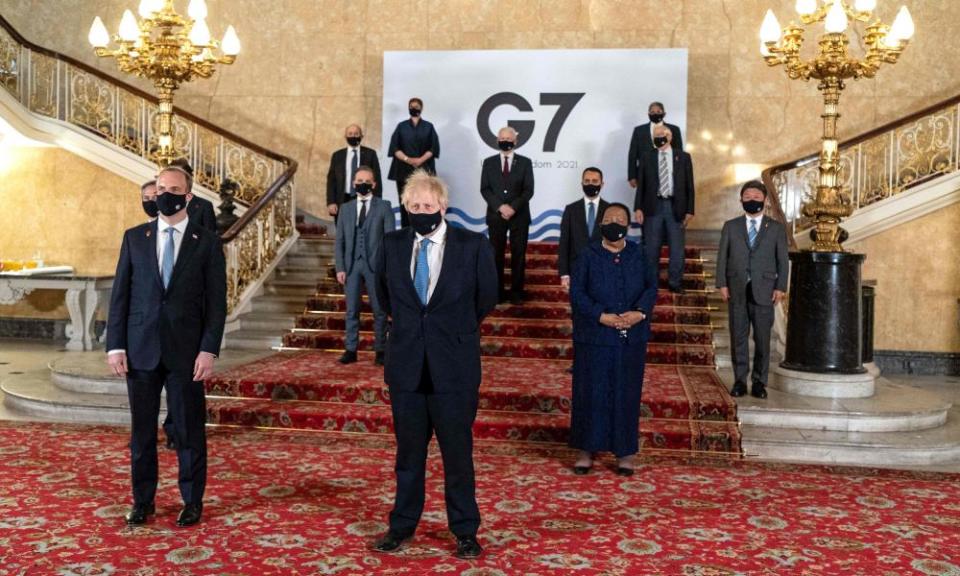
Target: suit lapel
[(762, 232), (188, 246), (742, 231), (151, 241), (406, 254)]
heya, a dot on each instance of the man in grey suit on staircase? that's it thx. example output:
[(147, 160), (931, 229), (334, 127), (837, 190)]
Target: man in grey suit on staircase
[(752, 268), (360, 230)]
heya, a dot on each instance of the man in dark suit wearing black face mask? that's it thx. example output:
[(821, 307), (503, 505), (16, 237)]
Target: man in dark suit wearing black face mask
[(165, 326), (344, 164), (506, 184), (642, 140)]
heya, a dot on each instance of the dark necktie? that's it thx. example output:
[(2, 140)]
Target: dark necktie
[(363, 213), (354, 164), (506, 168)]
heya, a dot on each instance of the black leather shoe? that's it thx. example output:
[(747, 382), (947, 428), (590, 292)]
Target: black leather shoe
[(623, 471), (391, 541), (348, 357), (468, 548), (516, 300), (581, 470), (677, 290), (569, 369), (738, 390), (138, 514), (190, 514), (758, 390), (379, 359), (171, 443)]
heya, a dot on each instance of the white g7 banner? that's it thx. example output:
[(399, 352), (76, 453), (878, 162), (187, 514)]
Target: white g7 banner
[(571, 108)]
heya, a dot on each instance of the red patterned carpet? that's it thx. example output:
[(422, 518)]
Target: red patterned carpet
[(298, 503), (525, 393)]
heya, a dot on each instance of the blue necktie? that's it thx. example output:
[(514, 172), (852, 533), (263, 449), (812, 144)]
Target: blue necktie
[(169, 254), (753, 232), (591, 218), (421, 277)]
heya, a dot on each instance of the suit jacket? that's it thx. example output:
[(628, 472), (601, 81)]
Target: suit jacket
[(595, 289), (200, 210), (378, 222), (766, 264), (172, 325), (648, 184), (641, 142), (337, 174), (518, 187), (573, 233), (446, 332)]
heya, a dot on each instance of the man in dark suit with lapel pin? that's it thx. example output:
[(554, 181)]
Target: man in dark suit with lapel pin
[(752, 268), (167, 312), (506, 183), (437, 282), (663, 203), (344, 164), (641, 141), (200, 211), (360, 233)]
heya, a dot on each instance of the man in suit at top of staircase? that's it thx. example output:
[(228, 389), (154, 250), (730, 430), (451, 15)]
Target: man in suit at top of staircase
[(641, 141), (344, 164), (752, 268), (580, 222), (360, 230)]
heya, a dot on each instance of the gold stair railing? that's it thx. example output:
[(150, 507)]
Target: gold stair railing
[(56, 86), (874, 166)]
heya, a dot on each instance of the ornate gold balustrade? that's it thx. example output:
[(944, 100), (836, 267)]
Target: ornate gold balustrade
[(877, 165), (55, 86)]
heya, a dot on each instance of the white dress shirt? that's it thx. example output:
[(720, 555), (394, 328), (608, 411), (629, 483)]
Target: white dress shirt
[(360, 201), (758, 218), (349, 169), (508, 156), (162, 226), (587, 201), (434, 255)]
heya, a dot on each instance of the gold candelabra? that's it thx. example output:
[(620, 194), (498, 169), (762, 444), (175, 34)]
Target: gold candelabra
[(832, 65), (167, 49)]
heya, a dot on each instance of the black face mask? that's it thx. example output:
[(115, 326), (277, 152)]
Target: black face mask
[(659, 141), (170, 203), (424, 223), (363, 188), (354, 141), (752, 206), (655, 118), (414, 112), (506, 145), (150, 207), (613, 232), (591, 190)]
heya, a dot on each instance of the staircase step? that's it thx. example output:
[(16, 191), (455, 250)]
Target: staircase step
[(918, 448), (489, 425), (657, 353), (691, 280), (35, 394), (521, 328), (278, 323), (509, 384), (664, 312), (254, 339), (894, 407)]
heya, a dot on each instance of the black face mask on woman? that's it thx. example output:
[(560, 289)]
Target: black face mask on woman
[(613, 232), (170, 203), (424, 223)]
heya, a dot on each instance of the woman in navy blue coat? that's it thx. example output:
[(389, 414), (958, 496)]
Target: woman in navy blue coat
[(612, 292)]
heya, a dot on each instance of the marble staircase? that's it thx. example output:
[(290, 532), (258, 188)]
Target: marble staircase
[(274, 310)]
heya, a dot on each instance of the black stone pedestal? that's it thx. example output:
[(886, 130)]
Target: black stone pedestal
[(824, 330)]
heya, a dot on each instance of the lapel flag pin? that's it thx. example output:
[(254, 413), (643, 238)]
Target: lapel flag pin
[(194, 236), (148, 233)]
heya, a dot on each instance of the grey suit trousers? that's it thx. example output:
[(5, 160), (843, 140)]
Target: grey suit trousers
[(744, 314), (359, 276)]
